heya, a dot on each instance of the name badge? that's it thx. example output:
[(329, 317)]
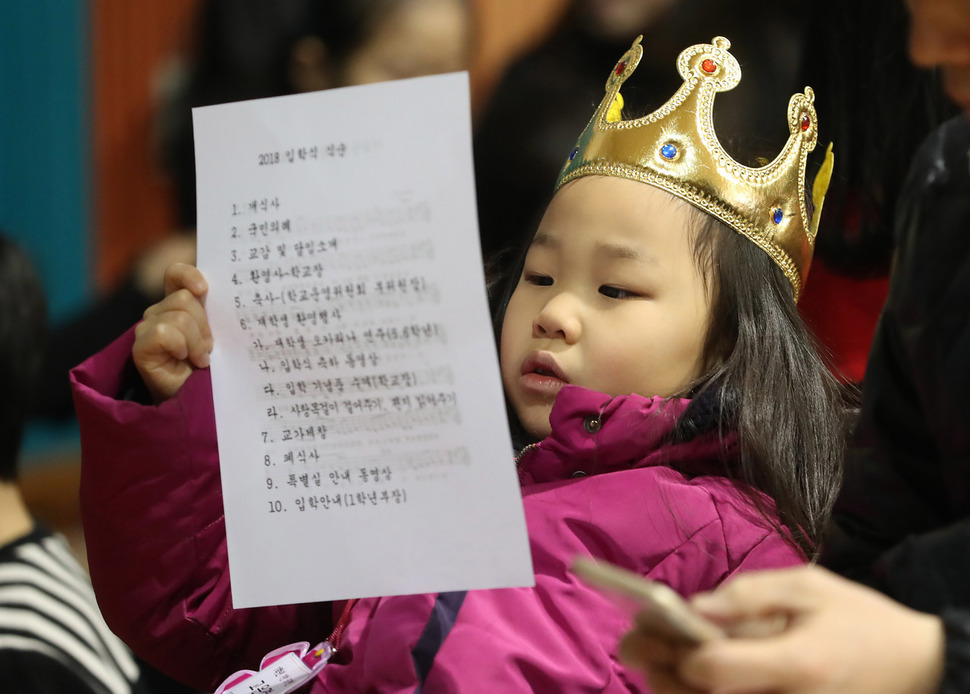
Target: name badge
[(281, 670)]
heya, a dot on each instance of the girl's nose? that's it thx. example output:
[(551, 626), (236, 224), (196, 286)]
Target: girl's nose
[(558, 319)]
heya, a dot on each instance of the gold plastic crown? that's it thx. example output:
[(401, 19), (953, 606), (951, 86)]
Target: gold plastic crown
[(675, 148)]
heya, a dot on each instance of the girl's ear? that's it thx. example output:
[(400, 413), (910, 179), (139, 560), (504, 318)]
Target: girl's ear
[(310, 66)]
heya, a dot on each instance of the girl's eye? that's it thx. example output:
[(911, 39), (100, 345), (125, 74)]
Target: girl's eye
[(617, 293), (538, 280)]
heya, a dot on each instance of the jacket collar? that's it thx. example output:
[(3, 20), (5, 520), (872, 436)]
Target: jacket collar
[(595, 433)]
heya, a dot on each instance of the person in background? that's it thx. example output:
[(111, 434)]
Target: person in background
[(249, 49), (902, 521), (52, 636), (261, 48)]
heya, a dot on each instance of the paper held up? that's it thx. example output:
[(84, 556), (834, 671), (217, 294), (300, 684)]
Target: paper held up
[(361, 427)]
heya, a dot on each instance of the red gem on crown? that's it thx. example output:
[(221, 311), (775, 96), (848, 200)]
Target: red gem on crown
[(620, 67), (709, 66), (806, 121)]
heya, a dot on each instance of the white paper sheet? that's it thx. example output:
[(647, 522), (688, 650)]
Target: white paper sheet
[(361, 425)]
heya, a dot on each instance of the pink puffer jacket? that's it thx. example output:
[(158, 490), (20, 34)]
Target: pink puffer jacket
[(153, 520)]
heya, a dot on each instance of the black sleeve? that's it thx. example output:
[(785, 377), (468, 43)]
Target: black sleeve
[(956, 670), (902, 520), (893, 489)]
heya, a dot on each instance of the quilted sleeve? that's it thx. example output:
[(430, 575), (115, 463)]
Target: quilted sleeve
[(151, 503)]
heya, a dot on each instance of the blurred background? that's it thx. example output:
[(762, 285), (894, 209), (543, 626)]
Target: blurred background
[(84, 91), (97, 169)]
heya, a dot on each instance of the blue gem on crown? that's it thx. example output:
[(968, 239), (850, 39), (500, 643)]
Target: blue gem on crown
[(777, 216), (668, 151)]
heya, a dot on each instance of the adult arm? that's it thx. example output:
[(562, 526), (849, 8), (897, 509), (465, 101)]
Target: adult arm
[(894, 526), (956, 672)]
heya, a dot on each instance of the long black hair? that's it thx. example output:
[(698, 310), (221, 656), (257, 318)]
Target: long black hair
[(770, 383)]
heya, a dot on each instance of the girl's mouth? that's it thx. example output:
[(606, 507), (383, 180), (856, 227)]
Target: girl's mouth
[(541, 374)]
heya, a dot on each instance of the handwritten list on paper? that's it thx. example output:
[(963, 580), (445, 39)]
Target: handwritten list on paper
[(362, 436)]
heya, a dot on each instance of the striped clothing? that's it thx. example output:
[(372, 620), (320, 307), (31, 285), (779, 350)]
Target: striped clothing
[(52, 636)]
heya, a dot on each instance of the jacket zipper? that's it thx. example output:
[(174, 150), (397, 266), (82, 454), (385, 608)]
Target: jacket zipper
[(528, 449), (338, 631)]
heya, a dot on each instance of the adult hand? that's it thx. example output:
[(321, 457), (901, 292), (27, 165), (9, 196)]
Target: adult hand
[(840, 637), (174, 338)]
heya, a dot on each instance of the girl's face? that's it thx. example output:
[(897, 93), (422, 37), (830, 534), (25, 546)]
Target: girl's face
[(610, 298)]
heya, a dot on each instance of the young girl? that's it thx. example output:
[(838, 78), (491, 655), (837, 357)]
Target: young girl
[(683, 426)]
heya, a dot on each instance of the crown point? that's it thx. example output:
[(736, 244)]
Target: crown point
[(675, 148)]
